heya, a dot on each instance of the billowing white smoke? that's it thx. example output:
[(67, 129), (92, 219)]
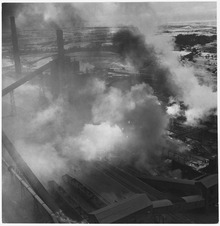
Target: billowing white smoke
[(124, 125), (200, 98), (121, 120), (44, 15), (95, 142), (173, 110), (202, 101), (43, 159)]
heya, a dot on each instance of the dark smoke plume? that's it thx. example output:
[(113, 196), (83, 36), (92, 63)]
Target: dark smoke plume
[(164, 73), (131, 46)]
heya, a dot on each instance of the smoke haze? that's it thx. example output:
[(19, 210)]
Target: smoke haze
[(95, 122), (124, 125)]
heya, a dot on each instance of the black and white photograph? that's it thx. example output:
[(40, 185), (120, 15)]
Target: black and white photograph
[(109, 112)]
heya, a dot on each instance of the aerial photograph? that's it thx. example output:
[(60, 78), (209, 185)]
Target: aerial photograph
[(109, 112)]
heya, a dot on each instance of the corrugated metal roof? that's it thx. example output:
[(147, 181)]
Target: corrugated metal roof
[(209, 181), (117, 211)]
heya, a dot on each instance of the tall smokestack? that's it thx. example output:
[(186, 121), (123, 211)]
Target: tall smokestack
[(60, 44), (15, 47), (60, 49)]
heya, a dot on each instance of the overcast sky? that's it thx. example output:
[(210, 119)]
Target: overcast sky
[(185, 11), (110, 14)]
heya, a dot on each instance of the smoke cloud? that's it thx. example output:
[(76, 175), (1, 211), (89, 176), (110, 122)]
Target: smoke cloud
[(70, 15), (43, 15), (94, 142), (164, 73), (200, 99), (93, 122), (173, 110), (111, 124)]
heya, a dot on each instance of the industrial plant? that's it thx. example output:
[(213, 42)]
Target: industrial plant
[(98, 126)]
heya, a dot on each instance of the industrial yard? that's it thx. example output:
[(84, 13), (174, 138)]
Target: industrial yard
[(99, 125)]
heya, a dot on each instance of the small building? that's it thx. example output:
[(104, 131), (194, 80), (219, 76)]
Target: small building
[(209, 187)]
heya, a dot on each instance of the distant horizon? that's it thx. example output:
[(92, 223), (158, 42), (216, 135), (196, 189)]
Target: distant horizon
[(192, 21), (185, 11)]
